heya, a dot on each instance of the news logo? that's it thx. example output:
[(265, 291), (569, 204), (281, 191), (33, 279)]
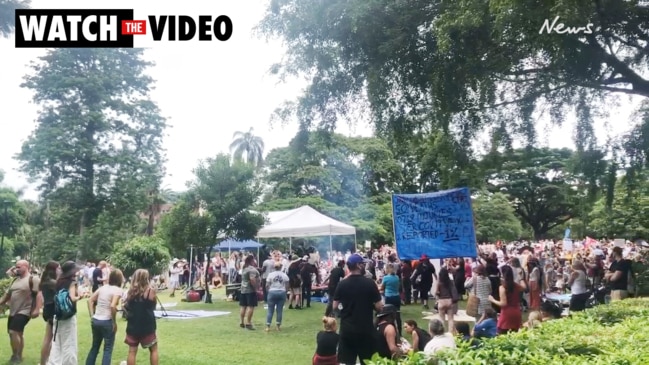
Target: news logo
[(111, 28)]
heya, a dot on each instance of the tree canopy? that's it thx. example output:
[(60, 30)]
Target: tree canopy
[(459, 65)]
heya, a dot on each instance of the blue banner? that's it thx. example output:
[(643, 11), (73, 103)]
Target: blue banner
[(567, 233), (439, 225)]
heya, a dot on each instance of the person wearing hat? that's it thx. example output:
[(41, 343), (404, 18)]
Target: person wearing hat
[(64, 345), (388, 340), (356, 298)]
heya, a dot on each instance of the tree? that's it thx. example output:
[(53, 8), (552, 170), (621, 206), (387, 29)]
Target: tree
[(226, 191), (428, 65), (184, 225), (495, 218), (157, 199), (503, 55), (8, 15), (147, 253), (538, 182), (247, 145), (628, 215), (347, 178), (341, 170), (10, 224), (97, 144)]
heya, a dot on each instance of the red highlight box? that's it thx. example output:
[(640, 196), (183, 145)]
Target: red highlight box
[(133, 27)]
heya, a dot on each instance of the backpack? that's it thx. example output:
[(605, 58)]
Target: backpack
[(64, 308)]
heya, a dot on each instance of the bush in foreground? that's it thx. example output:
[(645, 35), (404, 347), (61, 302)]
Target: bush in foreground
[(613, 334)]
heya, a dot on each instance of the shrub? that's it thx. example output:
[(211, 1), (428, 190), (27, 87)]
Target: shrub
[(144, 252), (4, 286), (612, 334)]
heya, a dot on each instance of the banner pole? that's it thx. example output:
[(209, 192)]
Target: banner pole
[(394, 231), (475, 236)]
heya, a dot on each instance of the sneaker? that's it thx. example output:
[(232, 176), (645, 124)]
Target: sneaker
[(278, 327), (242, 325), (250, 327)]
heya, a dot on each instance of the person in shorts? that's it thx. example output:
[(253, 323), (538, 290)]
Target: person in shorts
[(141, 327), (250, 281), (24, 304)]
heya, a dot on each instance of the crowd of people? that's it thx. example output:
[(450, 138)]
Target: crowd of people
[(54, 296), (365, 293), (505, 281)]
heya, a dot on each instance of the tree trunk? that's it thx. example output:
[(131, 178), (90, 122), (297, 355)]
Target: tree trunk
[(151, 222), (208, 296)]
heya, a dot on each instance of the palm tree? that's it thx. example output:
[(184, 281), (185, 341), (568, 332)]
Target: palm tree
[(7, 15), (157, 199), (249, 145)]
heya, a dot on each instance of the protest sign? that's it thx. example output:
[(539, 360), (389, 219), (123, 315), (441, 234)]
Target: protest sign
[(439, 225)]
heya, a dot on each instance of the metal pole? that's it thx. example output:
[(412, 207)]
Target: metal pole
[(191, 257)]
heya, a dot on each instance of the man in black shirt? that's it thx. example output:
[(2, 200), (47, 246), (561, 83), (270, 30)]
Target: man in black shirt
[(335, 276), (98, 276), (618, 275), (356, 297)]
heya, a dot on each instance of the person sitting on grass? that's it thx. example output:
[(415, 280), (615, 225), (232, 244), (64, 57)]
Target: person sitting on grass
[(419, 336), (140, 307), (327, 343), (440, 339), (487, 325)]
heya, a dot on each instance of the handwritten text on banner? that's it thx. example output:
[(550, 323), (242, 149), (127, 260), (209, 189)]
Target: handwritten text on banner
[(439, 224)]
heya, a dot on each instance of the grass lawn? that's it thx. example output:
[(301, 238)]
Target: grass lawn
[(208, 341)]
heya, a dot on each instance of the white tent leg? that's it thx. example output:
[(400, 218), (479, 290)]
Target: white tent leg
[(331, 246)]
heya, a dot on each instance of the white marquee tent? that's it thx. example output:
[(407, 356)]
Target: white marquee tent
[(304, 222)]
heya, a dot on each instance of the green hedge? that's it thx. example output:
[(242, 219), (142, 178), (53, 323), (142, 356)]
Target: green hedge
[(615, 334), (4, 286)]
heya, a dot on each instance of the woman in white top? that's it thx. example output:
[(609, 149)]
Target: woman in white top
[(103, 306), (578, 286), (174, 277)]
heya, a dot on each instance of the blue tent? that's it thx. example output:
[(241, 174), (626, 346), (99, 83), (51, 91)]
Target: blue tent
[(233, 245)]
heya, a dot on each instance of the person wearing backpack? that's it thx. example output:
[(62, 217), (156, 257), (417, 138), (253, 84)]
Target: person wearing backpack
[(64, 345), (24, 305)]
